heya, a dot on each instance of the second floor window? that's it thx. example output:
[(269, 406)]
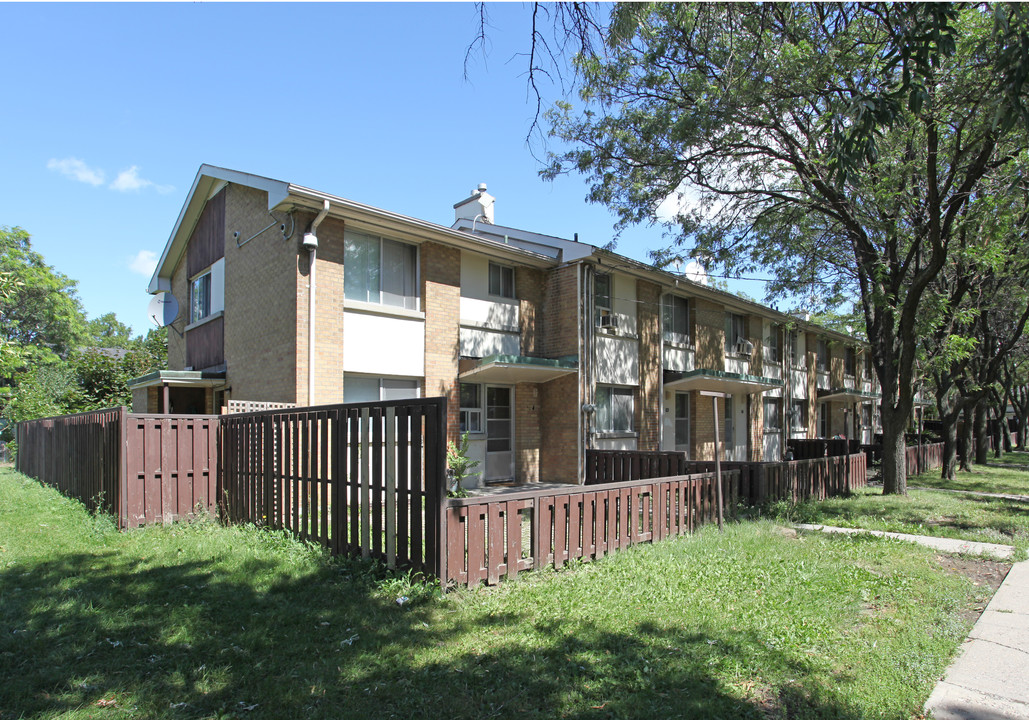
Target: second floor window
[(676, 319), (795, 357), (200, 297), (866, 365), (381, 271), (501, 281), (850, 362), (773, 419), (772, 345), (823, 355), (735, 334)]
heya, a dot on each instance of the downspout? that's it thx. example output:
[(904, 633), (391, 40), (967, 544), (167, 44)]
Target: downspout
[(311, 243)]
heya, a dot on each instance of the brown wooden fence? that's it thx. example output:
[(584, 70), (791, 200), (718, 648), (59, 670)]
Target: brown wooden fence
[(363, 480), (920, 458), (139, 468), (795, 480), (492, 537)]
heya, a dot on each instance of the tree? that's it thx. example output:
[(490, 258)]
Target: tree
[(39, 307), (107, 331), (843, 147)]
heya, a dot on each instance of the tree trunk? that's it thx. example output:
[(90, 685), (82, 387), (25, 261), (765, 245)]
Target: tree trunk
[(950, 447), (894, 466), (965, 446), (982, 447)]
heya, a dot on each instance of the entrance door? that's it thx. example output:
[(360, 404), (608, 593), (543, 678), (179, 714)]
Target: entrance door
[(499, 433)]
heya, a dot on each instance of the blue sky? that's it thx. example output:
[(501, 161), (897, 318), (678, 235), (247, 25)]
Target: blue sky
[(112, 109)]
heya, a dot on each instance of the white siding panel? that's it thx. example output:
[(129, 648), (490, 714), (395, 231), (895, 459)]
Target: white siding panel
[(678, 359), (494, 315), (382, 345), (482, 343), (618, 361)]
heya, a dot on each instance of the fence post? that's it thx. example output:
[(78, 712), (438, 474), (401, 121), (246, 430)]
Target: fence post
[(123, 467), (438, 472)]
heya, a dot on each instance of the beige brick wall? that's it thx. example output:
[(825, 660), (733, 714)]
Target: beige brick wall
[(328, 347), (710, 335), (530, 289), (648, 407), (528, 434), (836, 363), (703, 423), (261, 287), (755, 333), (559, 412), (441, 301), (560, 330), (811, 355)]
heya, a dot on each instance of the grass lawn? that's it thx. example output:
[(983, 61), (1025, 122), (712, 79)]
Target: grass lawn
[(982, 478), (929, 512), (199, 621)]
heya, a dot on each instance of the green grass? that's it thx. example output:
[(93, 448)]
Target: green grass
[(200, 621), (929, 512), (982, 478)]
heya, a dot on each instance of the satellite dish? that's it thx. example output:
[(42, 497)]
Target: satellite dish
[(163, 309), (696, 272)]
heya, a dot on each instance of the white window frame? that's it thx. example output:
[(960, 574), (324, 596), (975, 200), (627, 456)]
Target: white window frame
[(731, 321), (605, 404), (384, 384), (822, 352), (823, 420), (505, 281), (850, 358), (670, 320), (777, 404), (471, 412), (411, 302), (197, 314), (676, 418), (798, 411), (773, 345)]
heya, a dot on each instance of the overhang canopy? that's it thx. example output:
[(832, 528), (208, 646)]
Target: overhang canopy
[(180, 378), (511, 369), (848, 395), (719, 381)]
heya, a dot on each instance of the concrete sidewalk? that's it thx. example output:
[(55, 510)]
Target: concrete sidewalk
[(949, 545), (989, 680)]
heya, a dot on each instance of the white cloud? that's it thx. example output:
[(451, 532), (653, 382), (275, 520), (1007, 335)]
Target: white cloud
[(144, 263), (77, 170), (130, 181)]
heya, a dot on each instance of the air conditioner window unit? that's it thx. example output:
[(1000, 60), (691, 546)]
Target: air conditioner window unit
[(744, 346), (609, 320)]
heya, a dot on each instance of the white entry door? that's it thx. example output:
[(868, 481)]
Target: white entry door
[(499, 433)]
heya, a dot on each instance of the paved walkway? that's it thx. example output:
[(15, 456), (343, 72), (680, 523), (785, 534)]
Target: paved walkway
[(949, 545), (989, 680), (1002, 496)]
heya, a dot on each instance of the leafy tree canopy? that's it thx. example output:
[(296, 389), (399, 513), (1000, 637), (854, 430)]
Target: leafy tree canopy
[(847, 149)]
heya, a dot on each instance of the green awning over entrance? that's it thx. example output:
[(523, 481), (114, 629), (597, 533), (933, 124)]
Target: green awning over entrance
[(719, 381), (512, 369)]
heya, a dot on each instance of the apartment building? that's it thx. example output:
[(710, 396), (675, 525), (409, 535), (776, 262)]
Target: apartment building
[(545, 347)]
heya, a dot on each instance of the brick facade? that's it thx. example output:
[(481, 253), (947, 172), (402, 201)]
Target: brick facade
[(710, 334), (528, 433), (531, 289), (648, 323), (441, 300), (559, 461)]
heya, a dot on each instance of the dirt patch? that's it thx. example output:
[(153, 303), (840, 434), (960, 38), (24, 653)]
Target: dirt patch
[(983, 573)]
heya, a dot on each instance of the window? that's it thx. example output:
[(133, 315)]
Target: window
[(682, 421), (614, 409), (360, 388), (823, 420), (381, 271), (866, 365), (798, 416), (794, 354), (823, 355), (200, 297), (730, 436), (735, 332), (602, 291), (676, 319), (501, 281), (850, 362), (471, 408), (773, 415), (772, 345), (866, 415), (499, 426)]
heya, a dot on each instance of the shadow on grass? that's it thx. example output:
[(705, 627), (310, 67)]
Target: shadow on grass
[(104, 633)]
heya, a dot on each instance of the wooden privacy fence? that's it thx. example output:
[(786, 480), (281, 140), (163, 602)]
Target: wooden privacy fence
[(363, 480), (795, 480), (492, 537), (919, 458), (139, 468)]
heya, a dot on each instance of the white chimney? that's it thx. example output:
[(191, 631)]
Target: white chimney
[(477, 208)]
